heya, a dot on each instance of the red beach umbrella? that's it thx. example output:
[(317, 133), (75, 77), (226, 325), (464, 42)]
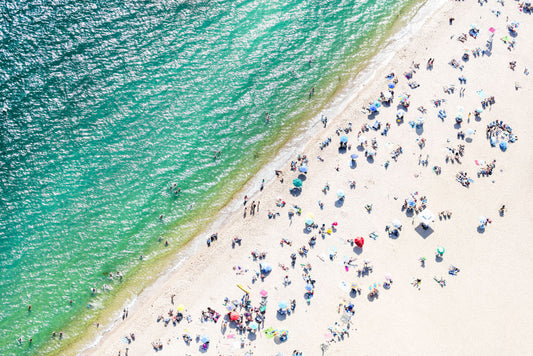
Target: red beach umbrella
[(359, 241), (233, 316)]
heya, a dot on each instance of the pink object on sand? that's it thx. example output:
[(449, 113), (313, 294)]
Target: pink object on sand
[(263, 292), (492, 29)]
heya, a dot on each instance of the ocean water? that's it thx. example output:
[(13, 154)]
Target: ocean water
[(105, 105)]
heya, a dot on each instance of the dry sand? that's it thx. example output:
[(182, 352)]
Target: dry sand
[(484, 309)]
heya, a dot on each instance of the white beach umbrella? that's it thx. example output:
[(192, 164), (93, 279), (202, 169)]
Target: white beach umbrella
[(396, 223), (426, 217), (362, 139)]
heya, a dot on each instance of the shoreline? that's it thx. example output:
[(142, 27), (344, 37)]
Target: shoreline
[(396, 41)]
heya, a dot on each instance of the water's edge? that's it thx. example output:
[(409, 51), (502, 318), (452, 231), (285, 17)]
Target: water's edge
[(157, 269)]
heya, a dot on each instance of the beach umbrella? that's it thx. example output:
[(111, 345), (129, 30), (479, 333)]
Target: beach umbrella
[(265, 267), (282, 305), (332, 250), (470, 132), (483, 220), (387, 95), (388, 277), (400, 113), (377, 104), (309, 221), (354, 285), (234, 316), (370, 151), (396, 223), (303, 169), (391, 85), (373, 108), (344, 139), (479, 110), (180, 307), (493, 141), (263, 293), (503, 145), (204, 338), (230, 307), (426, 217), (309, 287), (359, 241), (492, 30), (440, 250), (459, 115), (368, 260), (297, 182), (362, 139), (411, 202), (253, 325), (340, 193), (460, 109), (354, 156)]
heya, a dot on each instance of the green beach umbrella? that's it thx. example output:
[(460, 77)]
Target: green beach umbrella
[(440, 250), (297, 182)]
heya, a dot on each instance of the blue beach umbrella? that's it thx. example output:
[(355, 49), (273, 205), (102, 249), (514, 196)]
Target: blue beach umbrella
[(204, 338), (282, 305), (344, 139), (373, 108), (391, 85), (297, 182), (503, 145), (377, 104), (303, 169), (309, 287), (309, 221), (354, 156), (411, 202), (265, 267)]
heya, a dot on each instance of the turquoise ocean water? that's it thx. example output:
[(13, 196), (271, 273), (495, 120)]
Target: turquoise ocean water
[(104, 105)]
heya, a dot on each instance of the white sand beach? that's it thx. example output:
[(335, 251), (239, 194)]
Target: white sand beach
[(481, 310)]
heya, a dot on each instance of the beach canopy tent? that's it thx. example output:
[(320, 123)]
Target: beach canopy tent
[(344, 139), (303, 169), (265, 267), (282, 305), (297, 182), (397, 223), (233, 316), (426, 217), (359, 241)]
